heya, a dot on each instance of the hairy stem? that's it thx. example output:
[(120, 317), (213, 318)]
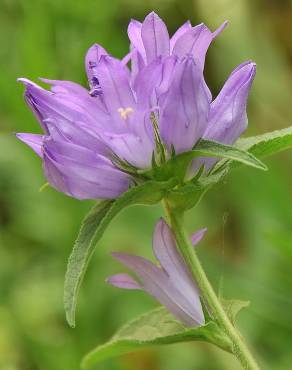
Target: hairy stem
[(240, 349)]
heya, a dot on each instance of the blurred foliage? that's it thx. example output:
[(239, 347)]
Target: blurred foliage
[(248, 249)]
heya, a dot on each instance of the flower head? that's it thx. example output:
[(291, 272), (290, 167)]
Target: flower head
[(88, 132), (170, 283)]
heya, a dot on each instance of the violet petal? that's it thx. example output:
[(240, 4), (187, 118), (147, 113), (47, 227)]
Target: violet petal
[(196, 42), (185, 110), (155, 37), (198, 236), (166, 252), (123, 281), (156, 282), (32, 140)]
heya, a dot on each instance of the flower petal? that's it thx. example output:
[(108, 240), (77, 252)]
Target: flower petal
[(196, 42), (123, 281), (165, 250), (132, 148), (155, 37), (198, 236), (30, 97), (69, 116), (32, 140), (49, 105), (134, 33), (156, 283), (66, 87), (76, 133), (179, 32), (228, 117), (65, 91), (185, 110), (81, 173), (137, 64), (114, 77), (147, 82), (92, 59), (168, 66)]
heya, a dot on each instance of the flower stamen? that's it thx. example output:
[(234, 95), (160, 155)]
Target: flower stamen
[(125, 112)]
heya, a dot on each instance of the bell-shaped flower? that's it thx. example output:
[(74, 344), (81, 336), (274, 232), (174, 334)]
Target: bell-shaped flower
[(92, 136), (170, 282)]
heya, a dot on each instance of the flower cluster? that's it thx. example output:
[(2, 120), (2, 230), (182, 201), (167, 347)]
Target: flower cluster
[(162, 96)]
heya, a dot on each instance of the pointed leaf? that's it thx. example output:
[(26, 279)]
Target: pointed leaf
[(267, 144), (92, 230), (177, 165), (208, 148), (156, 327)]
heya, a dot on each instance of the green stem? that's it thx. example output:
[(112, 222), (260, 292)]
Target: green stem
[(240, 349)]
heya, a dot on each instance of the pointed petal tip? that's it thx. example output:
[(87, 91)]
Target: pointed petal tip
[(46, 80), (249, 68), (220, 28), (198, 236), (253, 69), (250, 63), (28, 83), (199, 27), (152, 14), (24, 81), (161, 221), (113, 254), (95, 45), (34, 141), (119, 256), (135, 22), (21, 136), (161, 224), (123, 281)]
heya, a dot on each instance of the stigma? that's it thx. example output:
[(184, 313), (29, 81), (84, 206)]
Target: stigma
[(125, 112)]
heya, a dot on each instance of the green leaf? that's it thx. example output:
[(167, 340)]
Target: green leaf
[(213, 149), (157, 327), (233, 306), (177, 165), (92, 230), (267, 144)]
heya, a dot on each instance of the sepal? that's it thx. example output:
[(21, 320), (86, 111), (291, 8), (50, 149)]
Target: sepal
[(188, 196)]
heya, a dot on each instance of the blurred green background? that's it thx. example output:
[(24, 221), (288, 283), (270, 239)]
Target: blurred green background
[(248, 249)]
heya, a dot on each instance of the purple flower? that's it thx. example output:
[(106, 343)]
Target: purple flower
[(170, 283), (150, 39), (88, 133)]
